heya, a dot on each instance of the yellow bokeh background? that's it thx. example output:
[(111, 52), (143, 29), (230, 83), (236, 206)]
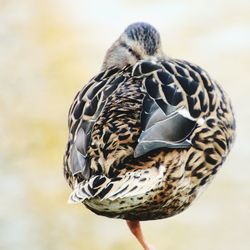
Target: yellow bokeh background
[(48, 51)]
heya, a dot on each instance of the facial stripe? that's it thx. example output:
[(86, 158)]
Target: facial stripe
[(132, 52)]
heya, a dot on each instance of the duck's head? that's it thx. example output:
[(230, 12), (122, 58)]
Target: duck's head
[(139, 41)]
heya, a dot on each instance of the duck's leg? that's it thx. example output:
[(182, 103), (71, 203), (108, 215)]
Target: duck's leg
[(135, 228)]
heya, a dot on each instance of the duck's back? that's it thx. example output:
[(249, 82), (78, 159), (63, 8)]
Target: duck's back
[(145, 139)]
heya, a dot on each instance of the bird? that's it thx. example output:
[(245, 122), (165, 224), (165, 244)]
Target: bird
[(147, 133)]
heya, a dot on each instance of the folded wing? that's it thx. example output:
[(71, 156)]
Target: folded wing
[(172, 106)]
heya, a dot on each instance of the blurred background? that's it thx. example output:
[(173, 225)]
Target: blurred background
[(48, 50)]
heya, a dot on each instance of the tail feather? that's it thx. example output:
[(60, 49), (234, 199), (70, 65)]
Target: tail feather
[(131, 184)]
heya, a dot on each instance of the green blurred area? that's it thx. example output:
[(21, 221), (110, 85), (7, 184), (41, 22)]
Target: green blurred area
[(49, 49)]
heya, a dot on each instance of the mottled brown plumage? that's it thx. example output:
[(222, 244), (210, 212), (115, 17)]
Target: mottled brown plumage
[(147, 134)]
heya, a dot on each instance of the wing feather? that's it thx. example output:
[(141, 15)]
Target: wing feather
[(171, 107), (83, 113)]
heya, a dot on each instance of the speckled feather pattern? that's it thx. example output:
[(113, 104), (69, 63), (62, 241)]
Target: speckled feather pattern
[(112, 110)]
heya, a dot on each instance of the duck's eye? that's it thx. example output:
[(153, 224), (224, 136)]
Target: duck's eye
[(130, 50)]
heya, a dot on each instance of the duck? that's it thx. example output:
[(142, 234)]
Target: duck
[(147, 133)]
